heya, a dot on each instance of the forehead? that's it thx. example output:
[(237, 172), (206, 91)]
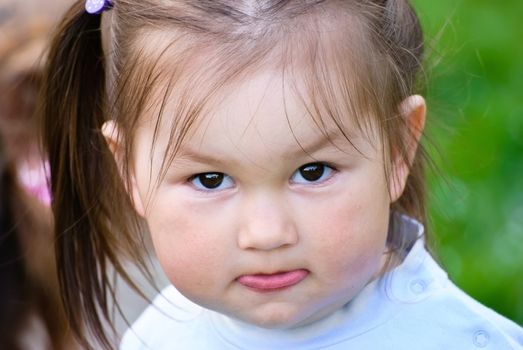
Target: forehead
[(270, 108), (246, 92), (264, 116)]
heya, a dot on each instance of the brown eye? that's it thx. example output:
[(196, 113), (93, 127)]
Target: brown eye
[(211, 181), (312, 173)]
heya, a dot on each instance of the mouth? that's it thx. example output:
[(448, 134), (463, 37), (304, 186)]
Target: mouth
[(264, 283)]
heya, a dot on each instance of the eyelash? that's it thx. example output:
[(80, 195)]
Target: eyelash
[(219, 178), (198, 177), (325, 167)]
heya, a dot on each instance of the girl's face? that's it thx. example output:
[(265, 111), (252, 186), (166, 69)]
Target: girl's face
[(260, 217)]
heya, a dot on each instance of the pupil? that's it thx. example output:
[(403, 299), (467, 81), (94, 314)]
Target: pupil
[(211, 180), (312, 172)]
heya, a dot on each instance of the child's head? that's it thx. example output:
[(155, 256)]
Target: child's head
[(254, 137)]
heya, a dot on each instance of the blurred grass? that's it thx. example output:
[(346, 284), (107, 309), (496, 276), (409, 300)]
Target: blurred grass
[(475, 97)]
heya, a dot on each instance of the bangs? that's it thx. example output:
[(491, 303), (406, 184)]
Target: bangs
[(323, 64)]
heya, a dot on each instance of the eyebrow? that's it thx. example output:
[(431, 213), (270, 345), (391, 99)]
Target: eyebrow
[(327, 138), (188, 153)]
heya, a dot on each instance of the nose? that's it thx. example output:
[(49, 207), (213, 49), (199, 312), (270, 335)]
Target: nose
[(266, 223)]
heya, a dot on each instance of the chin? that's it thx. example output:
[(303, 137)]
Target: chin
[(275, 319), (272, 323)]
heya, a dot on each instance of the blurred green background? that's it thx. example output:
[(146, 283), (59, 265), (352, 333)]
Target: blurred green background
[(475, 127)]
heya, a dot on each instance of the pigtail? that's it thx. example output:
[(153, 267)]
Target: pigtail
[(92, 226)]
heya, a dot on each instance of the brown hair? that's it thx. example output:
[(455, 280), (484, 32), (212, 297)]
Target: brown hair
[(363, 68)]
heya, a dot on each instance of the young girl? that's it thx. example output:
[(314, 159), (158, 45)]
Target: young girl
[(270, 150)]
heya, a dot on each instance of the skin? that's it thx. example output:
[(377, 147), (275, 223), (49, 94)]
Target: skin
[(265, 218)]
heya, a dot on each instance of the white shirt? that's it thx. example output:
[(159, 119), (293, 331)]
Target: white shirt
[(414, 306)]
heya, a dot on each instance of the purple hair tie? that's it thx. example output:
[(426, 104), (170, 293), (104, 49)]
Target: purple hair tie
[(96, 7)]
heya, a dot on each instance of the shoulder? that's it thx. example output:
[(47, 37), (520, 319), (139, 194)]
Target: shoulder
[(432, 306), (170, 314)]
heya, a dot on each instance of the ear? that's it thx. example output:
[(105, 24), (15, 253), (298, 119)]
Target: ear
[(111, 133), (413, 109)]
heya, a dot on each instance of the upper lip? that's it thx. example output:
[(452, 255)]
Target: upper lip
[(276, 272), (269, 272)]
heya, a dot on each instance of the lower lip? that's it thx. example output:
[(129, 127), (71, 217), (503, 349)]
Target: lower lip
[(273, 282)]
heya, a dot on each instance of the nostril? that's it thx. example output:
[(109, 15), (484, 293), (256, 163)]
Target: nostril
[(267, 239)]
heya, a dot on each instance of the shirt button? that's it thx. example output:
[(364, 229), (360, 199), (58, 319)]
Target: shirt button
[(418, 286), (481, 339)]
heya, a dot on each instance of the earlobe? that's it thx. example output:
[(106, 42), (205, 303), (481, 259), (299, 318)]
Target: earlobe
[(413, 109), (111, 133)]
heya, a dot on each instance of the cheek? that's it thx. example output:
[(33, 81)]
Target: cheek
[(347, 234), (187, 246)]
